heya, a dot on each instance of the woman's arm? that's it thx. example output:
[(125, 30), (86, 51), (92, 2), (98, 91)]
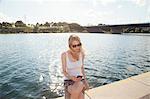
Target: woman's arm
[(83, 72)]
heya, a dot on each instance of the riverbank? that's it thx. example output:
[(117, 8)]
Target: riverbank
[(137, 34), (136, 87), (61, 27)]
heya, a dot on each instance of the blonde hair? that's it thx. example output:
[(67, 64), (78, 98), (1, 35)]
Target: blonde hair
[(72, 38)]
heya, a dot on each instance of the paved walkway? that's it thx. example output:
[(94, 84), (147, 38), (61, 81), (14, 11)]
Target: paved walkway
[(136, 87)]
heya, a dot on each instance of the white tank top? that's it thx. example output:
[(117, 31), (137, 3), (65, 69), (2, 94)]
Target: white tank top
[(74, 68)]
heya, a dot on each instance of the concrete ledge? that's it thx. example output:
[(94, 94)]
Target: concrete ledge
[(136, 87), (146, 97)]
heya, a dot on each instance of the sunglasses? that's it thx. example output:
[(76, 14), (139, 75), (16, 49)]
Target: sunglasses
[(74, 46)]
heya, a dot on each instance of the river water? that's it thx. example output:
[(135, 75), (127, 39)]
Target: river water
[(30, 64)]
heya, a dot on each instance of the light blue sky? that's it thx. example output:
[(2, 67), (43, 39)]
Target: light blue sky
[(84, 12)]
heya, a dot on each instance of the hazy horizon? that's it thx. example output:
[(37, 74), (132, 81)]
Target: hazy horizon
[(83, 12)]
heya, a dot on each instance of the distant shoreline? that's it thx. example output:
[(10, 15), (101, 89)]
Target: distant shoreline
[(127, 34), (137, 34), (63, 27)]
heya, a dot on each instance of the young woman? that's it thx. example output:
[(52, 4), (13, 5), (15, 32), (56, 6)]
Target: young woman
[(73, 69)]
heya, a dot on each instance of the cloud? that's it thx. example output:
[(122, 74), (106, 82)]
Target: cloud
[(80, 11), (148, 10), (98, 17), (148, 13), (140, 2), (103, 2), (4, 18), (119, 6)]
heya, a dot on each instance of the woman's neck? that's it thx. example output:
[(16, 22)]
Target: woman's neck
[(73, 52), (75, 55)]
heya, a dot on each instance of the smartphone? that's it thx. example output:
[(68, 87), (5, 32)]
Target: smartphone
[(79, 76)]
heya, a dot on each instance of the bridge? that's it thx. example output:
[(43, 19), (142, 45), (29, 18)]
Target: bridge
[(118, 28)]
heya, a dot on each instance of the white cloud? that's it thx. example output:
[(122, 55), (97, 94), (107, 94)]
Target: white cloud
[(148, 14), (103, 2), (4, 17), (98, 17), (119, 6), (140, 2), (148, 10), (48, 0), (81, 11)]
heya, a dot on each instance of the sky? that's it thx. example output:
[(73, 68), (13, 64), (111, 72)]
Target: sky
[(84, 12)]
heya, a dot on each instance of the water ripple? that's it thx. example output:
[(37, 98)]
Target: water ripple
[(30, 68)]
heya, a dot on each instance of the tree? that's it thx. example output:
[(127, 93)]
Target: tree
[(100, 24), (47, 24), (74, 27), (6, 24), (20, 24), (0, 25), (37, 24), (54, 24)]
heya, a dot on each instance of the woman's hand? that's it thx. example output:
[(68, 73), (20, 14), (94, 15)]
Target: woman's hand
[(75, 78), (86, 85)]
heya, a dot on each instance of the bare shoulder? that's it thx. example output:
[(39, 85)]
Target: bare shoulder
[(63, 54), (82, 53)]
